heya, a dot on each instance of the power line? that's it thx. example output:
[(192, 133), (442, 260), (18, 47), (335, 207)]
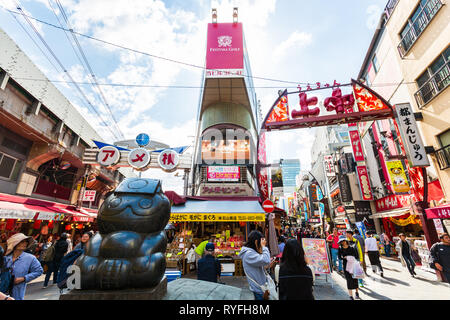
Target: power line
[(63, 68), (149, 54), (87, 68), (136, 85)]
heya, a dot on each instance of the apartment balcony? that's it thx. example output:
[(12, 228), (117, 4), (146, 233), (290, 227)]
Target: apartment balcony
[(418, 25), (437, 83), (443, 157)]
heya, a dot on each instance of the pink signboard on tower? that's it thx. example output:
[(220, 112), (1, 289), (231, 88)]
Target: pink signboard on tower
[(225, 50)]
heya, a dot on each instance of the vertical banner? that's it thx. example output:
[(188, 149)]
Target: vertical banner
[(328, 165), (316, 253), (356, 145), (362, 229), (410, 135), (397, 174), (364, 183)]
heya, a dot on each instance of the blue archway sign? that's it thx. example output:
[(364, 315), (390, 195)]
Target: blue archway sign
[(143, 140)]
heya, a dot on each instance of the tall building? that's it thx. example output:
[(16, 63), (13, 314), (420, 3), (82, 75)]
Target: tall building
[(290, 168), (408, 63)]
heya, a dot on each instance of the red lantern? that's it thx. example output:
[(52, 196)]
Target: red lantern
[(10, 224), (50, 224), (68, 227), (37, 224), (242, 223), (79, 226)]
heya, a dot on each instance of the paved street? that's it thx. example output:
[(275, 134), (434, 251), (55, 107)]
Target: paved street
[(396, 285)]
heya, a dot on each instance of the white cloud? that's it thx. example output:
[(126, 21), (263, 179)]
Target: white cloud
[(295, 41)]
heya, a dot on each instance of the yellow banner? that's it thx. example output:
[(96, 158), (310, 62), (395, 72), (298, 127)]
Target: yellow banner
[(413, 219), (398, 176), (217, 217)]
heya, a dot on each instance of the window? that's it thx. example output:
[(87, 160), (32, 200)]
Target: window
[(444, 138), (443, 154), (434, 79), (417, 23), (375, 64), (9, 167)]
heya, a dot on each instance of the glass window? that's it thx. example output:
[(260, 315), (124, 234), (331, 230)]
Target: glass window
[(16, 171), (444, 138), (376, 66), (6, 166)]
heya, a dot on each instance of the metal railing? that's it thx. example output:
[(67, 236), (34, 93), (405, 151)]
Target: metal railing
[(443, 157), (419, 24), (437, 83)]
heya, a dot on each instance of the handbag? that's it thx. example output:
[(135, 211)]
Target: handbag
[(269, 288)]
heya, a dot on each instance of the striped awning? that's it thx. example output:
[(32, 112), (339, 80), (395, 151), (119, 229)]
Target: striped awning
[(392, 213)]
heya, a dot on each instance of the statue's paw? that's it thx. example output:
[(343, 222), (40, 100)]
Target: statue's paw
[(148, 271), (113, 274)]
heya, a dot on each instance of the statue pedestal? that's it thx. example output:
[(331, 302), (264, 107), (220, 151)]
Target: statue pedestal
[(156, 293)]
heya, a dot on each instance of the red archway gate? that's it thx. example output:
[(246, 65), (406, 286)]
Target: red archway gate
[(362, 105)]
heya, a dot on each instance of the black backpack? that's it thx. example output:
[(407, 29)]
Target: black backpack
[(67, 261)]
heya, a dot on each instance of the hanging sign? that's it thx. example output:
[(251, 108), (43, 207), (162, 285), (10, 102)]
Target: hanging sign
[(139, 158), (108, 156), (168, 160), (224, 174), (410, 135), (356, 145), (364, 183), (328, 165), (399, 181)]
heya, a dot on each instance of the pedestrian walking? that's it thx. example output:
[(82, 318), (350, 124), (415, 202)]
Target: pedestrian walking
[(24, 267), (334, 249), (371, 248), (43, 256), (349, 254), (404, 248), (352, 240), (69, 242), (361, 240), (440, 254), (295, 279), (281, 244), (84, 241), (255, 257), (61, 247), (209, 268), (386, 243)]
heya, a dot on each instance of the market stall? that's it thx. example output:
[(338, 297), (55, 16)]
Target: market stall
[(224, 222)]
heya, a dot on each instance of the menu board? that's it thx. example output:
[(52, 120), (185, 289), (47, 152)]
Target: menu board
[(316, 253)]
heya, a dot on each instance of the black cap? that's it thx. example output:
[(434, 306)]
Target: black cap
[(209, 246)]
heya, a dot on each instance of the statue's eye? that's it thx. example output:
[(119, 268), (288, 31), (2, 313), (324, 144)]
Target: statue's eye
[(145, 203), (114, 203)]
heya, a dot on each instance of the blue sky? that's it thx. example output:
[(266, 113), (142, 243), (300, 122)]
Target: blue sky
[(300, 41)]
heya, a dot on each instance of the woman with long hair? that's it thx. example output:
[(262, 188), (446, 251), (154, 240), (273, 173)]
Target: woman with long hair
[(255, 257), (295, 277), (349, 254)]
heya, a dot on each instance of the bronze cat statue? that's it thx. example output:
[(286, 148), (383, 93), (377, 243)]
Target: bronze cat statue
[(129, 249)]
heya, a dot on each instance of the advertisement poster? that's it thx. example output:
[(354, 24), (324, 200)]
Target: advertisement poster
[(364, 183), (280, 112), (224, 174), (316, 253), (397, 174), (225, 150)]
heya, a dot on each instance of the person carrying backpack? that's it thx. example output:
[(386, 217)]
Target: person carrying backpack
[(68, 260), (61, 247)]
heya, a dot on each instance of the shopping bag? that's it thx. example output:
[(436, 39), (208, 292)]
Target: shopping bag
[(358, 272)]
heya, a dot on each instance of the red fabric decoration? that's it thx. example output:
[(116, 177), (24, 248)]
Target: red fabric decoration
[(50, 225), (305, 103), (337, 102)]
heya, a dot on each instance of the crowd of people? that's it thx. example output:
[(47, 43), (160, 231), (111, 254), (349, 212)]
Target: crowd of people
[(25, 258)]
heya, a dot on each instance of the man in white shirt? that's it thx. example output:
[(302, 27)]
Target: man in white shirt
[(374, 254)]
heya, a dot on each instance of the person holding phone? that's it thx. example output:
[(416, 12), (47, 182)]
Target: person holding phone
[(255, 257)]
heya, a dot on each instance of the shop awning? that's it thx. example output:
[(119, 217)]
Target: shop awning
[(392, 213), (218, 211), (442, 212), (17, 207)]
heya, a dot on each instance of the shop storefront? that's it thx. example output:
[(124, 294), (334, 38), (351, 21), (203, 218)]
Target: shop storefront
[(40, 218), (225, 222)]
